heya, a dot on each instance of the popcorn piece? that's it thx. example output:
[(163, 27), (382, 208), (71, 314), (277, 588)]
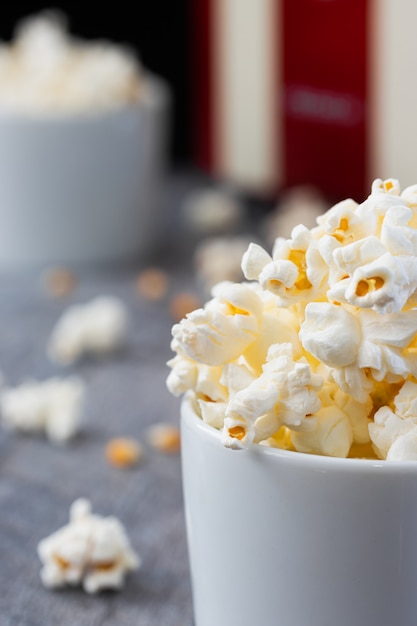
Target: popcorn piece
[(212, 211), (410, 196), (91, 551), (386, 347), (235, 377), (299, 205), (237, 433), (222, 330), (164, 438), (354, 345), (396, 232), (293, 273), (331, 334), (54, 406), (124, 452), (389, 185), (45, 70), (340, 221), (204, 379), (219, 258), (375, 277), (152, 283), (404, 447), (212, 413), (387, 428), (97, 327), (331, 437), (285, 394), (390, 426), (254, 260), (358, 414)]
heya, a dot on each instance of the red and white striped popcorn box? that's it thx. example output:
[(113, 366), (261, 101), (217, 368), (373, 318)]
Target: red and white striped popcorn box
[(319, 92)]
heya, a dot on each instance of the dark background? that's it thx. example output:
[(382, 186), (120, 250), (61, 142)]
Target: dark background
[(158, 30)]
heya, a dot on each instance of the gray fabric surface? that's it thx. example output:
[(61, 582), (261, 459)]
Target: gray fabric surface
[(39, 481)]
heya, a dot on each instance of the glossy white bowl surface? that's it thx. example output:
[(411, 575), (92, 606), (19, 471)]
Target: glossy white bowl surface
[(283, 538)]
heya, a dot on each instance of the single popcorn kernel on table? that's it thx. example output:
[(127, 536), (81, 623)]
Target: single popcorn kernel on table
[(91, 551), (316, 351), (124, 452), (97, 327), (59, 281), (152, 283), (164, 438)]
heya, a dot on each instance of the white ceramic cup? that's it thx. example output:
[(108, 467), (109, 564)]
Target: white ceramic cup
[(82, 187), (288, 539)]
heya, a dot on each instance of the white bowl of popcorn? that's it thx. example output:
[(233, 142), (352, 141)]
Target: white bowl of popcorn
[(82, 149), (300, 423)]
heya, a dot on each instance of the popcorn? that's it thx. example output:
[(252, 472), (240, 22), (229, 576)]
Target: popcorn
[(331, 334), (212, 211), (219, 258), (317, 352), (224, 328), (331, 436), (45, 70), (91, 551), (299, 205), (53, 406), (283, 395), (97, 327), (395, 428)]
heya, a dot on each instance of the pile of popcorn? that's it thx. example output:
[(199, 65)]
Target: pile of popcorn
[(317, 351), (45, 69)]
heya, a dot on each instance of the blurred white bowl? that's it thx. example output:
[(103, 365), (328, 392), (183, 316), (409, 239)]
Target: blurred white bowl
[(82, 188)]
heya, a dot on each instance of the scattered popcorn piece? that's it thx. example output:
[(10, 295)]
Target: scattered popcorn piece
[(299, 205), (59, 281), (124, 452), (164, 438), (183, 303), (219, 258), (54, 406), (46, 70), (212, 211), (152, 283), (97, 327), (91, 551)]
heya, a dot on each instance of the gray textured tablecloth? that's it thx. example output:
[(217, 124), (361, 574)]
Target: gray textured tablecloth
[(38, 480)]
